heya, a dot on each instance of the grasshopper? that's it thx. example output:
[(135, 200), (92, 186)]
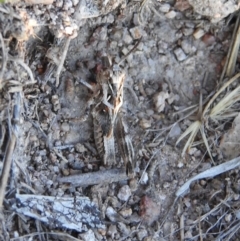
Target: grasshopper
[(107, 120)]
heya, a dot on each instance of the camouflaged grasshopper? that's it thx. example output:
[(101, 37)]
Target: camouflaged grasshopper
[(107, 120)]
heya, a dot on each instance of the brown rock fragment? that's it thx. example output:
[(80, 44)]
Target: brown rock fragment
[(149, 210)]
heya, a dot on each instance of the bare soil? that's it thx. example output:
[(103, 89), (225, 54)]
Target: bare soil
[(179, 44)]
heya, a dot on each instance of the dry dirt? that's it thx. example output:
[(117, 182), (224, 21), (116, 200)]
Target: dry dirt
[(179, 44)]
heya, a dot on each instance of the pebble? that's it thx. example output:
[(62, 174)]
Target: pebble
[(237, 214), (124, 193), (116, 35), (187, 31), (80, 148), (65, 127), (180, 55), (167, 228), (136, 32), (149, 112), (113, 45), (149, 238), (149, 210), (208, 39), (180, 164), (175, 131), (145, 123), (88, 236), (136, 19), (144, 178), (113, 216), (123, 228), (133, 184), (149, 91), (55, 102), (159, 101), (198, 33), (127, 39), (188, 47), (182, 5), (141, 234), (166, 185), (74, 2), (126, 212), (165, 7), (112, 230), (172, 14), (110, 18)]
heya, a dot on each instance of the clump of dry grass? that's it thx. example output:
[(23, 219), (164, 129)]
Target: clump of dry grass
[(223, 110)]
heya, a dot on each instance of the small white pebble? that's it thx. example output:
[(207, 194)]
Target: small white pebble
[(165, 7), (144, 178), (180, 55), (180, 164), (172, 14), (88, 236), (145, 123), (124, 193)]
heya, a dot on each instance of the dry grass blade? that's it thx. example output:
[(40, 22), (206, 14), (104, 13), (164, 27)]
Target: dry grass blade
[(224, 167), (206, 142), (224, 87), (234, 49), (193, 129), (225, 104), (221, 111), (232, 231)]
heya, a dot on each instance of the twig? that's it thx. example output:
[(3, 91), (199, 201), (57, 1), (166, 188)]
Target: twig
[(60, 66), (182, 226), (147, 165), (99, 177), (7, 162), (130, 51), (60, 156), (29, 71), (10, 13), (61, 234), (4, 60)]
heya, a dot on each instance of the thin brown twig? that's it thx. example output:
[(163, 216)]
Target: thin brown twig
[(60, 66)]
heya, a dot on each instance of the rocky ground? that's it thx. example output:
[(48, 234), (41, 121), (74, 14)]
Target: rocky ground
[(42, 105)]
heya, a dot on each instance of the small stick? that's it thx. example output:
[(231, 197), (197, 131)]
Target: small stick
[(130, 51), (182, 228), (92, 178), (145, 169), (7, 162), (21, 62), (4, 60), (60, 66)]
